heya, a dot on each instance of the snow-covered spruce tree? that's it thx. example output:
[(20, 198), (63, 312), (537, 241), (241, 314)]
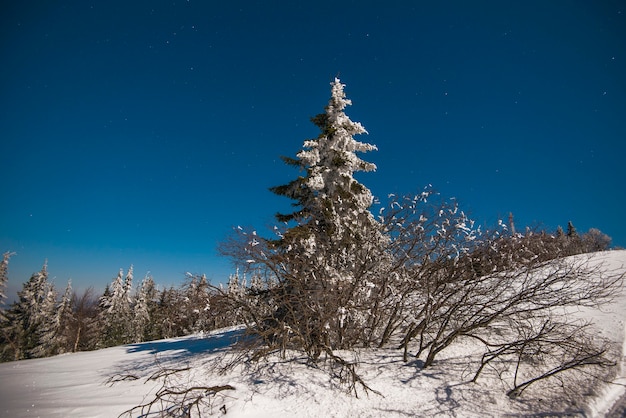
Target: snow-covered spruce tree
[(116, 311), (168, 319), (573, 242), (29, 319), (236, 286), (59, 333), (64, 312), (4, 278), (143, 327), (571, 230), (50, 334), (324, 268), (197, 305)]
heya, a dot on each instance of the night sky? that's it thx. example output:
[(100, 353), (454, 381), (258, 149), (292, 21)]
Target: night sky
[(142, 132)]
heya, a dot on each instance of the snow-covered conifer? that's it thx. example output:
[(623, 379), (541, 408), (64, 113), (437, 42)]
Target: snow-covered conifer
[(168, 319), (197, 304), (236, 287), (256, 283), (31, 317), (116, 311), (47, 332), (571, 230), (143, 310), (4, 278), (331, 252), (63, 320), (333, 206), (128, 284), (573, 243)]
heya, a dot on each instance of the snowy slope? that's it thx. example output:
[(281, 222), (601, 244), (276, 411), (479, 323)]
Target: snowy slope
[(75, 385)]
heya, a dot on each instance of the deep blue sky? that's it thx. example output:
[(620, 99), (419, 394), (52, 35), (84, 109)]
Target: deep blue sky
[(141, 132)]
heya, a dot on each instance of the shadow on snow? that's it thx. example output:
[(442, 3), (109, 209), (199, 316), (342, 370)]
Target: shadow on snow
[(189, 346)]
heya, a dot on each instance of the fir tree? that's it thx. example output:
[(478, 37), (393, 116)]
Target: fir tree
[(115, 311), (47, 332), (4, 278), (329, 198), (571, 230), (30, 318), (333, 206), (197, 305), (63, 320), (329, 257), (143, 311), (574, 243), (128, 285), (167, 318), (235, 287), (256, 283)]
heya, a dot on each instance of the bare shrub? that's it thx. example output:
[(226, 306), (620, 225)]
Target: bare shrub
[(441, 279), (82, 327), (176, 398), (595, 240), (457, 302), (535, 350)]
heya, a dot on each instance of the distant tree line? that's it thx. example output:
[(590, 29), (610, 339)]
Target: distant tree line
[(43, 322)]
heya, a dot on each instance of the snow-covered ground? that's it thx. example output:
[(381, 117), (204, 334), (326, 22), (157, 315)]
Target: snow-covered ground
[(79, 385)]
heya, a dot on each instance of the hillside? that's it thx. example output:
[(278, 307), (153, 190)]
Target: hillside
[(107, 382)]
